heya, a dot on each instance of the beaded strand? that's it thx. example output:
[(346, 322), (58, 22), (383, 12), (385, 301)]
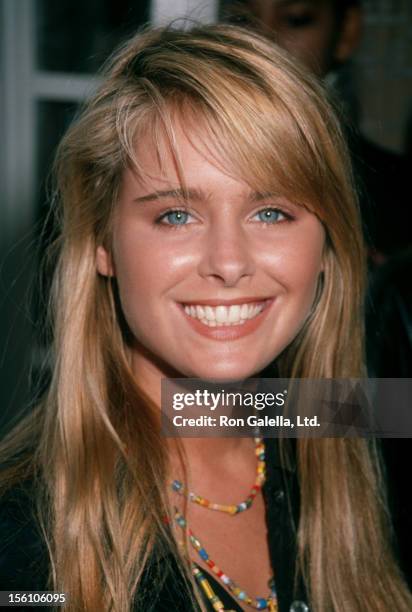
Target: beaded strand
[(214, 599), (232, 509), (208, 591), (260, 603)]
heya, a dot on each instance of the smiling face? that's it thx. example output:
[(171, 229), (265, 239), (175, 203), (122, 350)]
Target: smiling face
[(216, 282)]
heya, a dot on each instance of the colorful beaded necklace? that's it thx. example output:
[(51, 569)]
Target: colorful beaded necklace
[(216, 603), (178, 487), (260, 603)]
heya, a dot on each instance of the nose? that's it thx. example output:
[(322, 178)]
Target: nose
[(227, 255)]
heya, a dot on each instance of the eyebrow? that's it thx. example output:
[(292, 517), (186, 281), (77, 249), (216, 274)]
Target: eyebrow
[(179, 194), (196, 195)]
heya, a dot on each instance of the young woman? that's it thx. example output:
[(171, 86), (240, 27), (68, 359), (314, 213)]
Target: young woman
[(208, 229)]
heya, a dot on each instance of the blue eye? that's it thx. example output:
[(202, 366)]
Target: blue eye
[(174, 217), (270, 215)]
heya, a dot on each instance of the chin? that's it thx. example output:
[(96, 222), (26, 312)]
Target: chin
[(223, 373)]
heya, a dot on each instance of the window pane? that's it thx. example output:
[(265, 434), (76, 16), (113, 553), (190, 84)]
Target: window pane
[(78, 35)]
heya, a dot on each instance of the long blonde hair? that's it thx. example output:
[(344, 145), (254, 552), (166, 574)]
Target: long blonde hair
[(98, 454)]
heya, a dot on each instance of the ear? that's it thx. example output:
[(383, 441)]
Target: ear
[(104, 263), (350, 34)]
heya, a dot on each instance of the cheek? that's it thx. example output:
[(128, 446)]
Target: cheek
[(146, 269), (133, 273), (296, 264), (300, 252), (301, 283)]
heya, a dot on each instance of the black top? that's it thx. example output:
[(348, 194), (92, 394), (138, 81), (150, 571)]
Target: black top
[(24, 560)]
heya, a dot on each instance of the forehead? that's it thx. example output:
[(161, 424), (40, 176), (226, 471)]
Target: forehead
[(183, 158), (264, 151)]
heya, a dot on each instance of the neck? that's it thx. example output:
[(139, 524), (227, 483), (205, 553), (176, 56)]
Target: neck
[(212, 455), (216, 467), (215, 450)]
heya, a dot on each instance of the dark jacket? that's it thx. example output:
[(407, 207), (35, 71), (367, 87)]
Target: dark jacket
[(24, 565)]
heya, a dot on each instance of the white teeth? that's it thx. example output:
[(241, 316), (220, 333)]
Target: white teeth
[(210, 315), (244, 311), (236, 314), (253, 311), (221, 314)]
